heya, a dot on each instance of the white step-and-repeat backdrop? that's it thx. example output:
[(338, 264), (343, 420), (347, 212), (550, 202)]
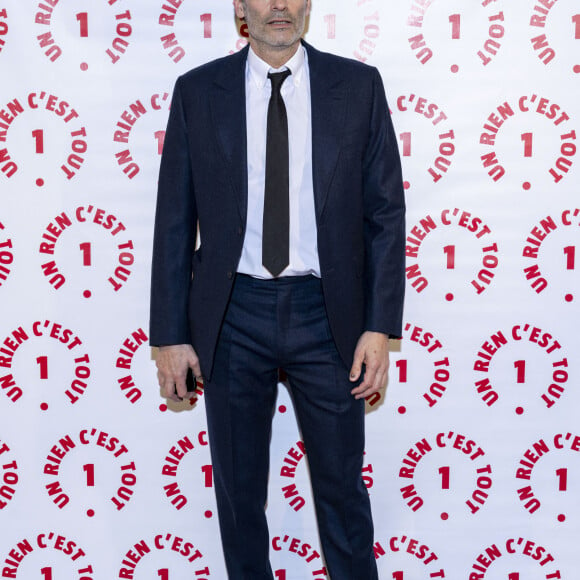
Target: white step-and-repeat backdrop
[(472, 459)]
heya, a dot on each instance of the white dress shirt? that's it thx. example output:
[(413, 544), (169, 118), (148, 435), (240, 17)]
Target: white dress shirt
[(296, 94)]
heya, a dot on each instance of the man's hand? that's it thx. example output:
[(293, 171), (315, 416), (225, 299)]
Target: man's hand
[(372, 349), (173, 363)]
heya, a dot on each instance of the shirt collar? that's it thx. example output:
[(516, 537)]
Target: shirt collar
[(258, 69)]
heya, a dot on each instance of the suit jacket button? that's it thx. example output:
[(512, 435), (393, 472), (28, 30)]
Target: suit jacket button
[(240, 231), (230, 274)]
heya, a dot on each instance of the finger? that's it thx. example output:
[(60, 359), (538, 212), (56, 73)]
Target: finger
[(168, 384), (180, 382), (360, 388), (363, 375), (370, 375), (364, 392), (380, 381), (168, 391), (374, 380), (195, 367), (357, 363)]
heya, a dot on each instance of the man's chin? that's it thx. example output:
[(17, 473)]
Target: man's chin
[(282, 41)]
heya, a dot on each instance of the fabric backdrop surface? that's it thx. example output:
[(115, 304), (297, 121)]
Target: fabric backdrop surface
[(472, 458)]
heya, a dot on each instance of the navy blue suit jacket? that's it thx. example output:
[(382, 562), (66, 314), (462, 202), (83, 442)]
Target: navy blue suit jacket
[(358, 192)]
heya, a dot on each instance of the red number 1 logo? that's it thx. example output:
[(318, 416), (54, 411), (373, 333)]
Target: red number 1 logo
[(86, 250), (449, 251), (576, 21), (520, 366), (455, 20), (401, 364), (206, 20), (207, 471), (43, 364), (330, 20), (570, 253), (527, 138), (89, 469), (160, 136), (83, 19), (406, 139), (445, 473), (38, 136), (562, 475)]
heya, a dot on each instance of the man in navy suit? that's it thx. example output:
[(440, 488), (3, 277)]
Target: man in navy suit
[(325, 316)]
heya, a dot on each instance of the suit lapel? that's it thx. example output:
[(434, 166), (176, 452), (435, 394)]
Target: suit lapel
[(228, 107), (328, 98)]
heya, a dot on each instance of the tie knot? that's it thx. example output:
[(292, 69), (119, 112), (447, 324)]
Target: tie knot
[(278, 78)]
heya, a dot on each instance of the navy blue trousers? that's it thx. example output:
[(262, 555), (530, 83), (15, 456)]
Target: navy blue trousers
[(273, 324)]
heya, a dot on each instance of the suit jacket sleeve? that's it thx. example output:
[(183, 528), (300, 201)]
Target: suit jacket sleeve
[(174, 235), (384, 215)]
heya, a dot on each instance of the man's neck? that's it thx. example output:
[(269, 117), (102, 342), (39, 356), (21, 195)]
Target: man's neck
[(275, 58)]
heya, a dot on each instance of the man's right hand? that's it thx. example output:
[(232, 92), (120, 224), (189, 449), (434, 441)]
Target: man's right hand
[(173, 362)]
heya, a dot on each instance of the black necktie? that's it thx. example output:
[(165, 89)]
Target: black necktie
[(276, 224)]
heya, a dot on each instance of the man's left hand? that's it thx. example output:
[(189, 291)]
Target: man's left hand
[(372, 349)]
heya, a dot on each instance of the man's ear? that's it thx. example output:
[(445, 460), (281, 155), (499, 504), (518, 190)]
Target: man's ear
[(239, 9)]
